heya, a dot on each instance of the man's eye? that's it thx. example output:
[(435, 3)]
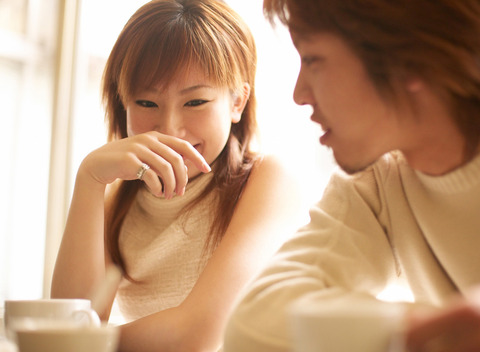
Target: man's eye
[(196, 102), (309, 60), (146, 104)]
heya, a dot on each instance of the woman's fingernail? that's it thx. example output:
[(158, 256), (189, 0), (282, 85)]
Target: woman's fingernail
[(180, 192), (473, 296)]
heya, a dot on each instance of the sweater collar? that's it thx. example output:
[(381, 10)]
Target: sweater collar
[(461, 179)]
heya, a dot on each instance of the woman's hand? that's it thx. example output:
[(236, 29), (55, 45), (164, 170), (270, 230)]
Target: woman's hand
[(165, 155), (454, 329)]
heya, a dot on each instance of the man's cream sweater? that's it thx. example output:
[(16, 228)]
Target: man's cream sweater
[(369, 229)]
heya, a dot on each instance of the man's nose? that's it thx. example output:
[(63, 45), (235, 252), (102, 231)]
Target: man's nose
[(302, 93)]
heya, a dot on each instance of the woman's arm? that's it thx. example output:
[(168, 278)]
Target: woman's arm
[(268, 211), (81, 260)]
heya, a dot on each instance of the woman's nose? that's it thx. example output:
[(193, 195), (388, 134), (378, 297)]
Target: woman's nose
[(171, 125)]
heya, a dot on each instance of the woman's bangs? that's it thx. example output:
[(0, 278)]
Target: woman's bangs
[(157, 57), (157, 62), (214, 55)]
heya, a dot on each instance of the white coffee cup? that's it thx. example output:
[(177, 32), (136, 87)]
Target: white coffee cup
[(102, 338), (76, 312), (346, 324), (7, 346)]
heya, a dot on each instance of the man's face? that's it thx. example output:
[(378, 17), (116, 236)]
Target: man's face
[(359, 126)]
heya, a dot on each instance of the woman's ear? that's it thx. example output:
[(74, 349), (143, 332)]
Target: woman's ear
[(414, 84), (240, 99)]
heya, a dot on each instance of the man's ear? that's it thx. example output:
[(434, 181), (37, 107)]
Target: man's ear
[(240, 99)]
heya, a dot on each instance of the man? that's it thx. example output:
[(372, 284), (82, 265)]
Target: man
[(395, 86)]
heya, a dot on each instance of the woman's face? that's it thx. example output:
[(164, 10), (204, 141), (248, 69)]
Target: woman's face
[(192, 108)]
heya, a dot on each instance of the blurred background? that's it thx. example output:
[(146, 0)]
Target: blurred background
[(52, 54)]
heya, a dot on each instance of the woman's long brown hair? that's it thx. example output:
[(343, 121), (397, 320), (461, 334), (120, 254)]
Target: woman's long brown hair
[(163, 38)]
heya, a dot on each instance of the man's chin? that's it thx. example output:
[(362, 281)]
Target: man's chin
[(352, 169)]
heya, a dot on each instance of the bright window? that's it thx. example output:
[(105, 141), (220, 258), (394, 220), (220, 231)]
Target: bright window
[(27, 71)]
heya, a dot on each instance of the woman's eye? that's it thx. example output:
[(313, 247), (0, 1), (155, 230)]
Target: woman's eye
[(196, 102), (146, 104)]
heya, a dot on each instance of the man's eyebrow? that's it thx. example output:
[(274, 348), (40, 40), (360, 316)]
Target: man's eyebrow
[(299, 37)]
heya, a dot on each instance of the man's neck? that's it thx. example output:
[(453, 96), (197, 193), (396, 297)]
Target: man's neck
[(433, 144)]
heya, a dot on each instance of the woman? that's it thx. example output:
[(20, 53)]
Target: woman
[(191, 212)]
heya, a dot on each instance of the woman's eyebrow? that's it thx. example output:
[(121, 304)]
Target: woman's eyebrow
[(183, 91), (195, 87)]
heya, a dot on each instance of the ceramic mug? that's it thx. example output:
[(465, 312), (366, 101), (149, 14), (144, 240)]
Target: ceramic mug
[(7, 346), (58, 338), (347, 324), (76, 312)]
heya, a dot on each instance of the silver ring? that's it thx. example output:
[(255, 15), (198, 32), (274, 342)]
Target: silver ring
[(142, 170)]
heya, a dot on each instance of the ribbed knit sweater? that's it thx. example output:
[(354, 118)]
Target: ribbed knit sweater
[(163, 250)]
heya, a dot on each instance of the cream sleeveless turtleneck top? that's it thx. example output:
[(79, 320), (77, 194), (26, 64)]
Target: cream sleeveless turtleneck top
[(163, 249)]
